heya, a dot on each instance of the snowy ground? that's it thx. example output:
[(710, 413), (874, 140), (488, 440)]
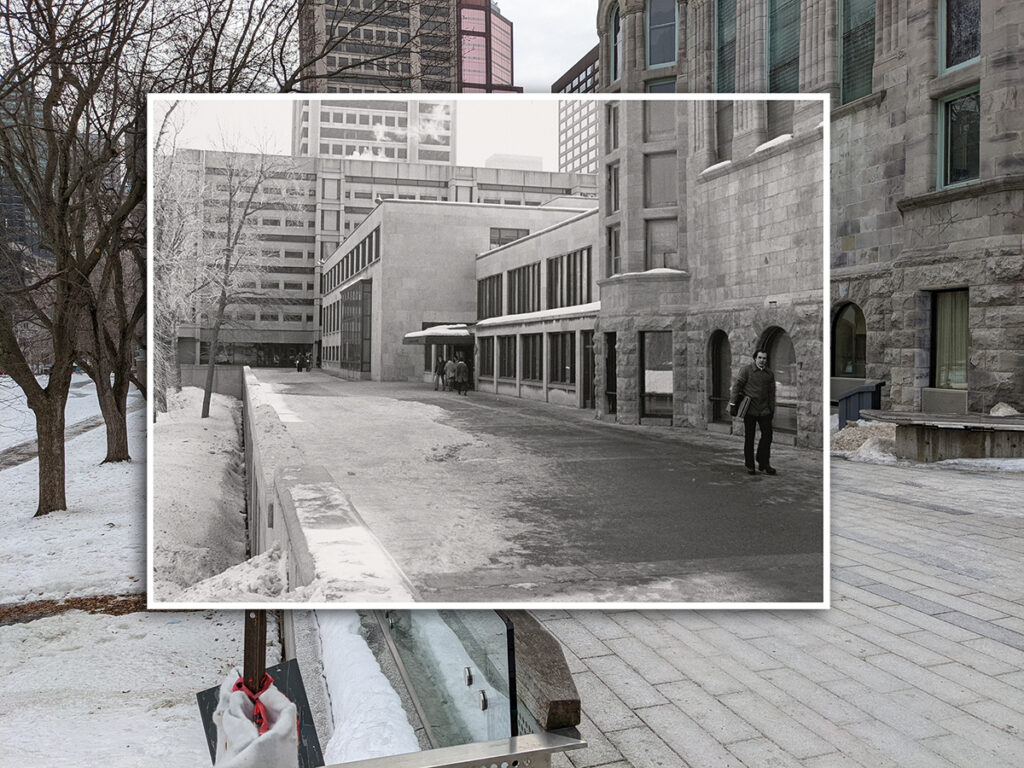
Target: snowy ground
[(98, 545), (119, 690), (198, 493), (18, 424)]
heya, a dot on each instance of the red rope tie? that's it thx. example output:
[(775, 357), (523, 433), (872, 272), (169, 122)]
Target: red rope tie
[(259, 716)]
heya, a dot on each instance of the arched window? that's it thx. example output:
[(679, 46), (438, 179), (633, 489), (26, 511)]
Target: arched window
[(849, 343), (720, 375), (615, 43), (782, 361), (661, 32)]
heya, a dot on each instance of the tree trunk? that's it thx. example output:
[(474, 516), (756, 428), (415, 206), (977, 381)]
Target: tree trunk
[(115, 417), (212, 367), (50, 436)]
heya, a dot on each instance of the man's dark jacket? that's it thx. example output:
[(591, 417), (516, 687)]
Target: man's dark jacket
[(759, 386)]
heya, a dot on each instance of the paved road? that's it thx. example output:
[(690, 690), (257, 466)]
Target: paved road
[(487, 498), (919, 662)]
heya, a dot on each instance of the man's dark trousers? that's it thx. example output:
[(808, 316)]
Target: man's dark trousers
[(764, 445)]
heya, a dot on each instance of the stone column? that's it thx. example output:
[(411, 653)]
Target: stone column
[(634, 52), (701, 80), (749, 118), (818, 73)]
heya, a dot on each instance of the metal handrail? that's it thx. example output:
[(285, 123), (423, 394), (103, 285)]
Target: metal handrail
[(531, 751)]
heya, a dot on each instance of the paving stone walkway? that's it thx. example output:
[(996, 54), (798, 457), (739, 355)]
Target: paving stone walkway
[(919, 662)]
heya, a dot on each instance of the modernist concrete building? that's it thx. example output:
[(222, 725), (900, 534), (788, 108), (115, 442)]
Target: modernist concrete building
[(309, 207), (927, 268), (420, 131), (537, 304), (411, 265), (577, 132)]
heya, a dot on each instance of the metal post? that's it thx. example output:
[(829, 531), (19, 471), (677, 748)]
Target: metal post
[(254, 660)]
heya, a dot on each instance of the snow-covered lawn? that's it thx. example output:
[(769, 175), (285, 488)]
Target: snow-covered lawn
[(98, 545), (198, 492), (114, 691), (18, 424)]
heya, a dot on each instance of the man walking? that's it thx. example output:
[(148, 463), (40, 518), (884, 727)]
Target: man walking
[(756, 382)]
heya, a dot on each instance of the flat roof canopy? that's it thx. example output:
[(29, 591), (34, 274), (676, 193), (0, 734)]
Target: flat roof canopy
[(458, 333)]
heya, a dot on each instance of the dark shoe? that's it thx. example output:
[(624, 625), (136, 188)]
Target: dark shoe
[(751, 471), (769, 470)]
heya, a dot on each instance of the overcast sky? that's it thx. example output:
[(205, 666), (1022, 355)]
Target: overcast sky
[(549, 36)]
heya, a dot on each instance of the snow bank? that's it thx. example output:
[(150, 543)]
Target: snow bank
[(368, 715), (198, 492), (98, 545), (261, 578)]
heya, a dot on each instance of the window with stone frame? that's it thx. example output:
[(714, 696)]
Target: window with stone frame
[(486, 344), (959, 138), (612, 187), (533, 357), (562, 357), (659, 120), (783, 62), (615, 44), (660, 17), (849, 343), (950, 338), (959, 32), (725, 46), (507, 357), (612, 126), (661, 244), (614, 265), (488, 297), (524, 289), (857, 46), (660, 180)]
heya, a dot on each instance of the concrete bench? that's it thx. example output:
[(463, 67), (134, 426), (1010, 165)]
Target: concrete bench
[(937, 436)]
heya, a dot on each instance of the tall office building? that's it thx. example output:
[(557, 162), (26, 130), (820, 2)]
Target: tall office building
[(577, 126), (485, 48), (375, 129), (433, 46)]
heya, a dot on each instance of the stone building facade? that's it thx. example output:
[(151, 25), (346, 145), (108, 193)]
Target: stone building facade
[(927, 167), (704, 262)]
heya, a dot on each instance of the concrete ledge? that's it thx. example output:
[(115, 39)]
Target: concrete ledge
[(302, 509), (329, 542)]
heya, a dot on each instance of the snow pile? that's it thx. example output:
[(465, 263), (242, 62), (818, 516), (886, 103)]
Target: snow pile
[(198, 492), (1003, 409), (98, 545), (851, 438), (258, 579), (368, 716)]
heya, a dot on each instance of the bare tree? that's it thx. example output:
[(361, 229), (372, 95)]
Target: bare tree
[(73, 80)]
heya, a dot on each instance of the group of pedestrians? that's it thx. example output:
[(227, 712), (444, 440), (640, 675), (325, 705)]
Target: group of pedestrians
[(451, 374)]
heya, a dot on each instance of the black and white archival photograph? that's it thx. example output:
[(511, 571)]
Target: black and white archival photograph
[(454, 351)]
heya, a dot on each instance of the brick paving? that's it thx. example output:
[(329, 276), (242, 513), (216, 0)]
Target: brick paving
[(919, 662)]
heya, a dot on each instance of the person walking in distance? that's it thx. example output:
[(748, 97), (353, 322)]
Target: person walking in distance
[(461, 377), (439, 373), (449, 374), (753, 398)]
